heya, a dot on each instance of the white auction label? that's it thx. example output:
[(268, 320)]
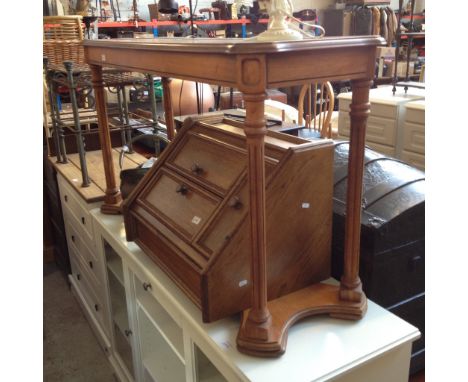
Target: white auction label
[(196, 220), (305, 205)]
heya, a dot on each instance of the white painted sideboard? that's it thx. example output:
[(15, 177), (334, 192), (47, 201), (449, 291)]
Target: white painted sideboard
[(169, 341), (150, 331), (387, 121)]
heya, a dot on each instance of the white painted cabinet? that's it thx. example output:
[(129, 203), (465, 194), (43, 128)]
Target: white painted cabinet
[(414, 134), (387, 122), (169, 341), (151, 331), (86, 279)]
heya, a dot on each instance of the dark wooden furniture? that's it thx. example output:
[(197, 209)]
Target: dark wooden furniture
[(253, 67), (190, 214), (392, 236)]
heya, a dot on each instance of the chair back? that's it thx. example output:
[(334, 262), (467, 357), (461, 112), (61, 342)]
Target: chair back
[(317, 108)]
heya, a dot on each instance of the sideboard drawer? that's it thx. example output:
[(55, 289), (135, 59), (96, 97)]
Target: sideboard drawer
[(383, 149), (415, 115), (86, 256), (376, 109), (216, 164), (414, 137), (179, 203), (83, 283), (79, 210), (379, 130), (414, 159)]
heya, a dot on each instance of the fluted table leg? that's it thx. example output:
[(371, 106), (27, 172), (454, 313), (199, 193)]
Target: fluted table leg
[(351, 286), (112, 197), (168, 112)]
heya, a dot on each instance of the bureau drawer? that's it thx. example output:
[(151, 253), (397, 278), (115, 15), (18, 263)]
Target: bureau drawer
[(220, 230), (83, 283), (79, 210), (214, 164), (179, 203), (414, 137)]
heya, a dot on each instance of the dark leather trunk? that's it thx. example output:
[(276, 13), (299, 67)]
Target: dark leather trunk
[(392, 236)]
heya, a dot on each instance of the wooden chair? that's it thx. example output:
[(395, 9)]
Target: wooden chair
[(318, 110)]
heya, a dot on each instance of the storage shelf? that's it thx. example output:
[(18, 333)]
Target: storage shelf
[(158, 356), (114, 265), (169, 330), (121, 322)]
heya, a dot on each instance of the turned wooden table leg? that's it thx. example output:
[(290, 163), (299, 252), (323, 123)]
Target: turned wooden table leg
[(257, 324), (168, 112), (351, 287), (112, 198)]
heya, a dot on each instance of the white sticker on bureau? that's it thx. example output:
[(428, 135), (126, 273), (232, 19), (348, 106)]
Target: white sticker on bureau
[(196, 220)]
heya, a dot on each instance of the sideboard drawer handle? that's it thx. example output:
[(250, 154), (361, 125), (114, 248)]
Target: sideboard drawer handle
[(96, 307), (91, 264), (83, 221), (127, 332), (147, 286), (73, 238), (78, 276), (66, 198)]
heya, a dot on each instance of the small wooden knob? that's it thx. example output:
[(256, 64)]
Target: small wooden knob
[(235, 203), (182, 189), (197, 169), (147, 286), (127, 332)]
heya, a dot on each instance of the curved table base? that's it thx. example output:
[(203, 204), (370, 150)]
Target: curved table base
[(111, 209), (285, 311)]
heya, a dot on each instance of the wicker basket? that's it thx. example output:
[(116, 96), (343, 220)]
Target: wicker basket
[(63, 39)]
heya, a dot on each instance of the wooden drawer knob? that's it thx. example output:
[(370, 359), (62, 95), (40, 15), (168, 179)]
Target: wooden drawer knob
[(197, 169), (182, 189), (235, 203), (127, 332), (147, 286)]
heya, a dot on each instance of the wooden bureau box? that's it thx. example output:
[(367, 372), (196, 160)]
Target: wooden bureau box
[(190, 214)]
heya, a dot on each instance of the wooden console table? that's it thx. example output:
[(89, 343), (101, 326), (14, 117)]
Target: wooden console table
[(253, 67)]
